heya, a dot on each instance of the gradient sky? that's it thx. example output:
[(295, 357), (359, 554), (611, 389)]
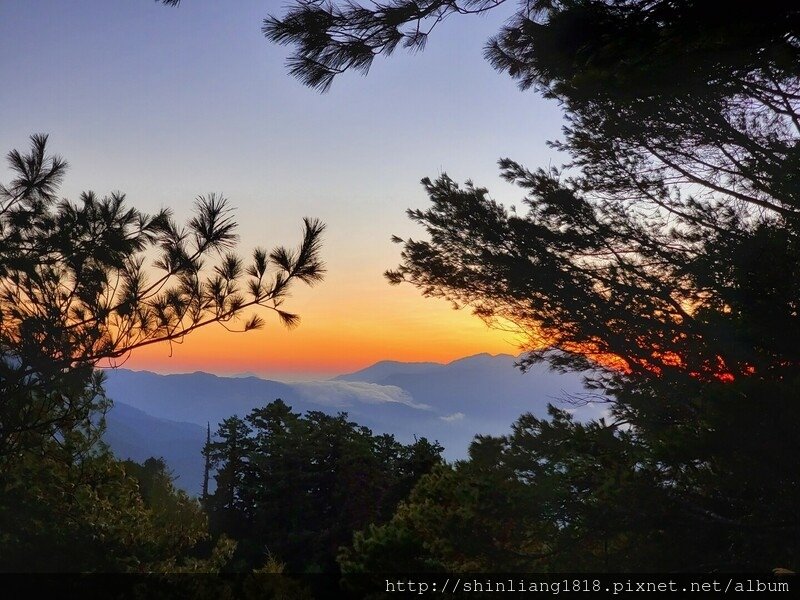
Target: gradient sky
[(166, 104)]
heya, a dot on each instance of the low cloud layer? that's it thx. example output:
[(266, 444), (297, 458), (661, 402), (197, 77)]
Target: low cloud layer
[(343, 394)]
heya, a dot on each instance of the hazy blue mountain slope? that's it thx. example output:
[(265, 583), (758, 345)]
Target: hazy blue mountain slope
[(200, 398), (478, 394), (134, 434), (381, 370), (192, 397)]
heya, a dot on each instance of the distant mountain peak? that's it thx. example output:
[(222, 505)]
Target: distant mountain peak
[(482, 357), (380, 370)]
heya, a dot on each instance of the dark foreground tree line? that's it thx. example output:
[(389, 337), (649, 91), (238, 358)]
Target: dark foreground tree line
[(317, 493)]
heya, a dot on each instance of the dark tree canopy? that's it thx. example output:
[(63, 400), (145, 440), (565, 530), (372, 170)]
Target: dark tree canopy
[(555, 496), (295, 487), (588, 46), (70, 506)]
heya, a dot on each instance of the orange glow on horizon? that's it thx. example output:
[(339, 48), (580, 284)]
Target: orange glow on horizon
[(357, 324), (334, 338)]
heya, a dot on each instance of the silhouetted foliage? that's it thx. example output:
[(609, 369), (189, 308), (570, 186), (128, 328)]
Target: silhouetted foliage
[(569, 45), (296, 487), (553, 496), (664, 259), (76, 291)]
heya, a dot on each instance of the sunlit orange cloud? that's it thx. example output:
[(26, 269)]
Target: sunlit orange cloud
[(337, 335)]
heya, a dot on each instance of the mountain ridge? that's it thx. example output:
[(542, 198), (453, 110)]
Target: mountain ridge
[(449, 402)]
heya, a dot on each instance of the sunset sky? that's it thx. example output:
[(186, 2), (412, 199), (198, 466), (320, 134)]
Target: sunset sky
[(166, 104)]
